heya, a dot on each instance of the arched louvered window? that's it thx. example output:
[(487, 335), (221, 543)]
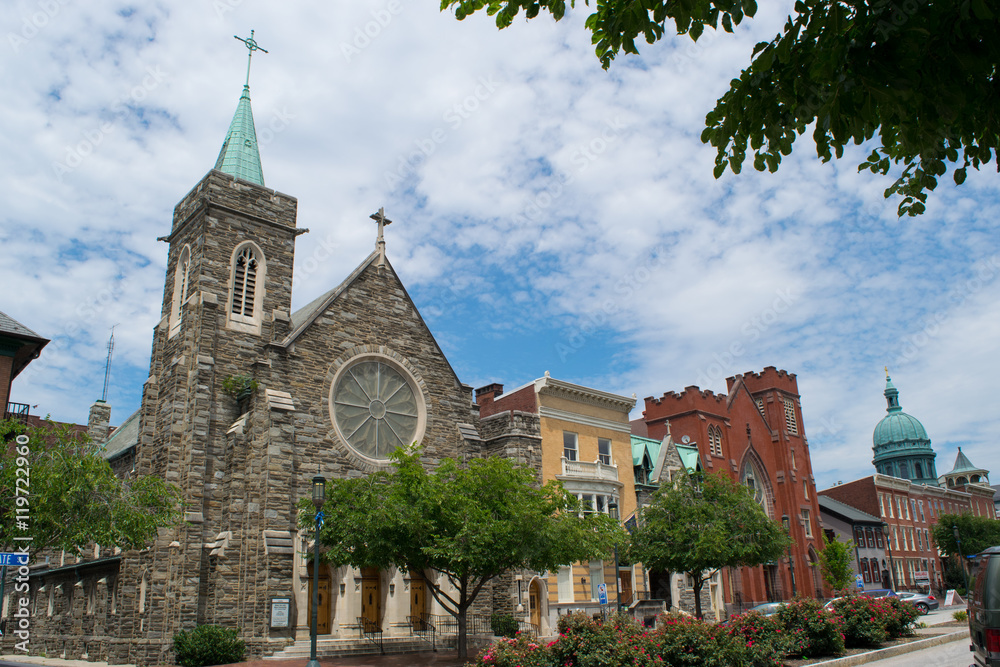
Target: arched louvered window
[(246, 294), (181, 278), (245, 282)]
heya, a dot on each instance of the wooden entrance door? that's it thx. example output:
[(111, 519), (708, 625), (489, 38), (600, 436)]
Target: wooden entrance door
[(418, 599), (535, 604), (371, 605), (323, 615), (625, 581)]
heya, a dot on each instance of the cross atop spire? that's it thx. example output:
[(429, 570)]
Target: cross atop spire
[(239, 156), (252, 46), (382, 221)]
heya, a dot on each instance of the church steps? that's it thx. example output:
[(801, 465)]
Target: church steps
[(331, 648)]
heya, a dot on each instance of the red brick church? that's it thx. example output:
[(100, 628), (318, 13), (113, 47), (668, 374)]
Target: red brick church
[(754, 434)]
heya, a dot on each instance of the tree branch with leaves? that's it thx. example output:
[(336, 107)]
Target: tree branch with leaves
[(701, 523), (469, 523)]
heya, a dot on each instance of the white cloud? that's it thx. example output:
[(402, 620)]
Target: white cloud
[(535, 197)]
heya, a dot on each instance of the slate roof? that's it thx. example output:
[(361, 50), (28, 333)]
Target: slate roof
[(124, 437), (852, 514), (10, 326)]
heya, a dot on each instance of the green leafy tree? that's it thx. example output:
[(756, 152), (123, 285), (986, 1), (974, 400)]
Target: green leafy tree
[(978, 533), (70, 497), (470, 523), (835, 562), (920, 75), (704, 522)]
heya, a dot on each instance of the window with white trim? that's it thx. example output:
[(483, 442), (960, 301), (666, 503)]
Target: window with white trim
[(760, 405), (570, 446), (596, 578), (246, 288), (807, 523), (604, 451), (564, 583)]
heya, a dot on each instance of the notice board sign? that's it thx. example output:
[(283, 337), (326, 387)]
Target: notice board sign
[(280, 612)]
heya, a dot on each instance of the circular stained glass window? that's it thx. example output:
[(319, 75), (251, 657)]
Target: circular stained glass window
[(375, 408)]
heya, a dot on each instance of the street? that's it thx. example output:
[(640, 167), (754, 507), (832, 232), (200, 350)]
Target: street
[(952, 654)]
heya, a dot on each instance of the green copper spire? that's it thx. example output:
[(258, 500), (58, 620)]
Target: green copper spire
[(239, 155)]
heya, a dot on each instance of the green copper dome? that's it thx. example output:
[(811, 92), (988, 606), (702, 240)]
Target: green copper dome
[(900, 443)]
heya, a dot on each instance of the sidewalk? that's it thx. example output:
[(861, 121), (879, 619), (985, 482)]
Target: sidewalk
[(423, 659)]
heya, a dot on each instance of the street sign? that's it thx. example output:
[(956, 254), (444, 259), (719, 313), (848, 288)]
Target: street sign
[(859, 581), (13, 559), (602, 593)]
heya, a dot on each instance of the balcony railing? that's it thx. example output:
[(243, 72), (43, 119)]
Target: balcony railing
[(17, 412), (590, 470)]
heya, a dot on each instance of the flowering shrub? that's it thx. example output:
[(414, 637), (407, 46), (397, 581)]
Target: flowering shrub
[(762, 641), (520, 651), (820, 630), (619, 642), (683, 640), (898, 617), (862, 621)]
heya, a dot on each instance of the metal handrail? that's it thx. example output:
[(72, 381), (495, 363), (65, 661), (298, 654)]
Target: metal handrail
[(371, 631), (17, 412), (421, 627)]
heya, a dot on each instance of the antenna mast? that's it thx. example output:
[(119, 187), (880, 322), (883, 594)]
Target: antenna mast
[(107, 368)]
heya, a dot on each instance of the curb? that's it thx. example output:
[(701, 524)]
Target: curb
[(893, 651)]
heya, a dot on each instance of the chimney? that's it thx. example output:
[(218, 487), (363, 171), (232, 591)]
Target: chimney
[(97, 424), (485, 395)]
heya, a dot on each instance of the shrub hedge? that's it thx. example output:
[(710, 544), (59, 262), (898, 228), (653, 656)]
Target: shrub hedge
[(208, 645), (801, 628)]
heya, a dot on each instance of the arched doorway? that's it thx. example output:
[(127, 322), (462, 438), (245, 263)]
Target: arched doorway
[(535, 604), (371, 596), (324, 608)]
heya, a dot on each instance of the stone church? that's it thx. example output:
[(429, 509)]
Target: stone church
[(337, 385)]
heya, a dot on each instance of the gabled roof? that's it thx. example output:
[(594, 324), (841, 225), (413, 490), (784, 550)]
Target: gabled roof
[(303, 317), (851, 514), (239, 156), (18, 339), (642, 446), (689, 456), (8, 325)]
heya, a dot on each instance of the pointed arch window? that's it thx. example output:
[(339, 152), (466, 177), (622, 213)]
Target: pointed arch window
[(244, 282), (715, 440), (181, 278), (246, 294), (754, 478)]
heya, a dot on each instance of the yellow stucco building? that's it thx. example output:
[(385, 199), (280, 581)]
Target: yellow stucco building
[(585, 444)]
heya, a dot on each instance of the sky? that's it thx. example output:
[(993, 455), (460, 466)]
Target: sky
[(548, 215)]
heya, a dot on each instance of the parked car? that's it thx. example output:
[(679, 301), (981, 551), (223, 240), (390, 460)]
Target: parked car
[(984, 610), (923, 602), (874, 593), (767, 609)]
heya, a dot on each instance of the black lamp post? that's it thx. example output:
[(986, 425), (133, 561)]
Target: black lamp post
[(613, 513), (961, 556), (318, 498), (892, 566), (787, 525)]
